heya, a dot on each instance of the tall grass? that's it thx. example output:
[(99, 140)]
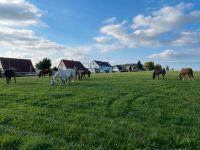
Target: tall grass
[(109, 111)]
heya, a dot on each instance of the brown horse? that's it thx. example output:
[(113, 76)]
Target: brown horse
[(158, 72), (186, 71), (45, 72)]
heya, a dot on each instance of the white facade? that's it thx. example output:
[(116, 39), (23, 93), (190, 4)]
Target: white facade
[(116, 69), (62, 66), (95, 68)]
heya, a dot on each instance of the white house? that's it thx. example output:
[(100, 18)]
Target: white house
[(100, 66)]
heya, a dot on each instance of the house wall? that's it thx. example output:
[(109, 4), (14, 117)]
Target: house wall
[(93, 66), (116, 69), (1, 67), (105, 68), (62, 66)]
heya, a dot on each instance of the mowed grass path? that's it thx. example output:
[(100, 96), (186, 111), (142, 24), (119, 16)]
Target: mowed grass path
[(109, 111)]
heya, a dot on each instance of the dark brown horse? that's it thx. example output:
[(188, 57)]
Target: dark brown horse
[(9, 73), (45, 72), (83, 74), (86, 74), (186, 71), (158, 72)]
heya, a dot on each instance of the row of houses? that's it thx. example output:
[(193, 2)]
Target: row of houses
[(25, 66)]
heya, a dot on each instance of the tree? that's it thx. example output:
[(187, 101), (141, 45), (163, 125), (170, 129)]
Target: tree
[(158, 66), (139, 65), (55, 68), (149, 65), (167, 68), (44, 64)]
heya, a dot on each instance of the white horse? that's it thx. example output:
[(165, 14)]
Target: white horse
[(64, 75)]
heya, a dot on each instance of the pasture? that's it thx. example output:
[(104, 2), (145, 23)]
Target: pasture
[(118, 111)]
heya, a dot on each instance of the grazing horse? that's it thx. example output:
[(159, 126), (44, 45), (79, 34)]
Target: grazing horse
[(82, 74), (158, 72), (86, 73), (9, 73), (186, 71), (64, 75), (45, 72)]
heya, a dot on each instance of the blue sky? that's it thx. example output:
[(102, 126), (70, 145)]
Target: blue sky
[(118, 31)]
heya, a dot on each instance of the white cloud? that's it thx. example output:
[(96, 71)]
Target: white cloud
[(147, 31), (108, 47), (18, 13), (186, 38), (172, 54), (102, 39), (111, 20), (116, 31), (25, 44), (164, 55), (164, 20)]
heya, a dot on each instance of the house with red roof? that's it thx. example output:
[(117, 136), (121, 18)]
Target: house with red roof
[(21, 66), (71, 64)]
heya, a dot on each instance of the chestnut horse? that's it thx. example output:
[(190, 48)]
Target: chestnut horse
[(158, 72), (186, 71)]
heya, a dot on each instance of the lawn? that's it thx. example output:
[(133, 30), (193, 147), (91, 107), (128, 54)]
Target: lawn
[(109, 111)]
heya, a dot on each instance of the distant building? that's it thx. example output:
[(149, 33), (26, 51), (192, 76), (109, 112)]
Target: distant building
[(119, 68), (132, 67), (100, 66), (66, 64), (125, 68), (21, 66)]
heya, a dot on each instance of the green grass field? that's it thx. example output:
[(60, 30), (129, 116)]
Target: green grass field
[(109, 111)]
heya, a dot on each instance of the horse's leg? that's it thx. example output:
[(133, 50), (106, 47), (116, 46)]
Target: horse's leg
[(158, 77), (72, 78), (66, 80), (61, 81), (15, 79), (190, 76)]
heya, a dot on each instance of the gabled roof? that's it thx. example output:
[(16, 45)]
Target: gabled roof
[(72, 64), (21, 65), (102, 63)]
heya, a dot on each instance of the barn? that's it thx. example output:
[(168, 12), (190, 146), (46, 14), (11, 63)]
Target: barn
[(66, 64), (21, 66)]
